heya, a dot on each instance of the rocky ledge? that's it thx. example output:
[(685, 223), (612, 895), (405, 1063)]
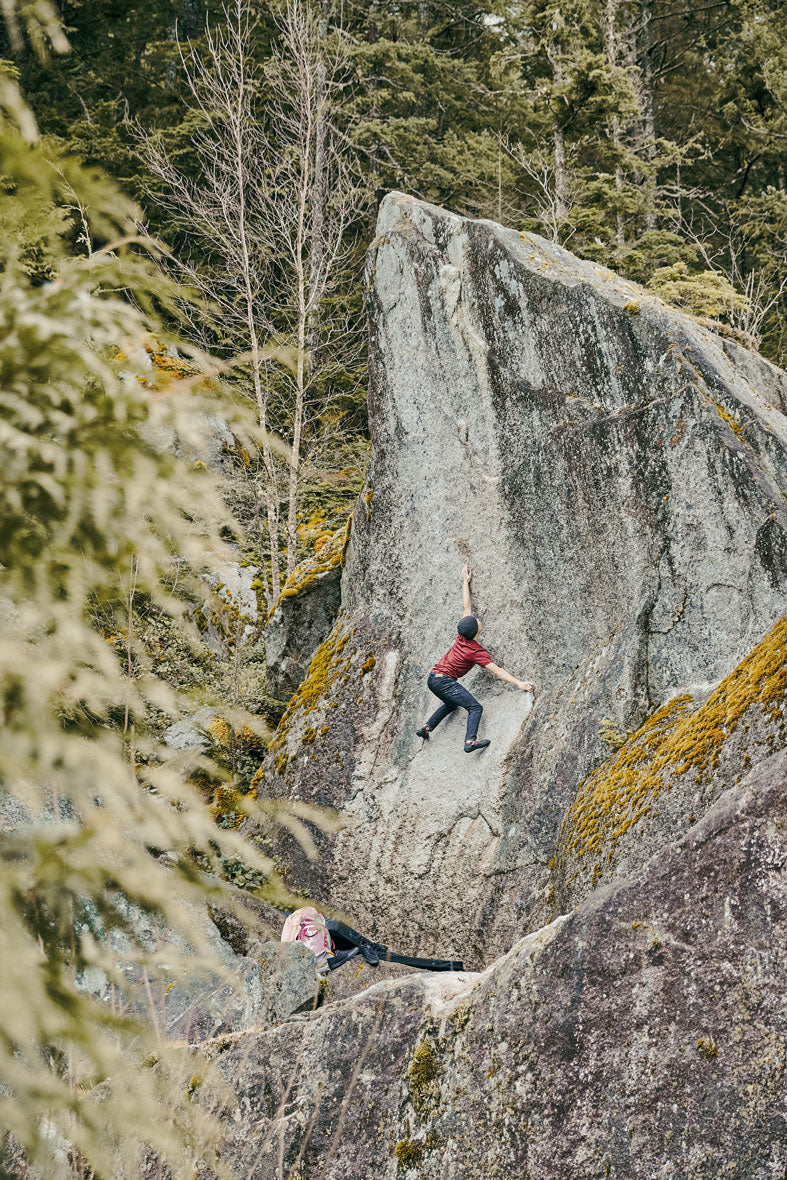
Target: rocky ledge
[(644, 1035)]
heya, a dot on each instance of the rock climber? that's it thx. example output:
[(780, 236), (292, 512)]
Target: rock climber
[(443, 680)]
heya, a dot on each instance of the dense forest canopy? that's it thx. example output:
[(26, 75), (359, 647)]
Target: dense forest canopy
[(648, 135)]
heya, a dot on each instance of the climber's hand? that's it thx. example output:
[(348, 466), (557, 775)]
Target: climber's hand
[(467, 574), (526, 686)]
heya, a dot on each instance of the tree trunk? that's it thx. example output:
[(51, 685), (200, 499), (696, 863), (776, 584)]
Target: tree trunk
[(612, 47), (647, 103), (562, 196), (561, 174), (192, 18), (260, 392), (304, 258), (319, 191)]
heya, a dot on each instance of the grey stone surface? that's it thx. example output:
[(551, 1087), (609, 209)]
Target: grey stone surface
[(259, 992), (236, 619), (189, 733), (615, 474), (642, 1037)]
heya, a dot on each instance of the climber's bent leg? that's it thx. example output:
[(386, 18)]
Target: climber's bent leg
[(454, 696), (437, 685)]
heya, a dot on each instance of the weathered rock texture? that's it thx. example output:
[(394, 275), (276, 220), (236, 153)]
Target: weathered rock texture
[(303, 616), (642, 1036), (615, 473), (668, 772), (258, 992)]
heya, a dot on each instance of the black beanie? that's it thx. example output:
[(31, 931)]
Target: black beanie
[(468, 627)]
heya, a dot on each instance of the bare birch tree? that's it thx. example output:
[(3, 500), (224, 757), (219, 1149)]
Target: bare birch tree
[(552, 199), (268, 216), (316, 200)]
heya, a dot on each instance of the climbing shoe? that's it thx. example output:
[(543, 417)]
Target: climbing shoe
[(471, 746), (423, 732)]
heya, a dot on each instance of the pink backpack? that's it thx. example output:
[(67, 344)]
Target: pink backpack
[(307, 925)]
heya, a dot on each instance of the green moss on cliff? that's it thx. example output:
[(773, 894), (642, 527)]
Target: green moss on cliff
[(422, 1076), (328, 664), (677, 739), (708, 1048), (410, 1152), (736, 428), (329, 551)]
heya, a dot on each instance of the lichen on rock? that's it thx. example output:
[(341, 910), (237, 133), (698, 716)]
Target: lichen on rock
[(304, 613), (695, 750)]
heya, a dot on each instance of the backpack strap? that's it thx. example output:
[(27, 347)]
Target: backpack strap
[(375, 952), (339, 957)]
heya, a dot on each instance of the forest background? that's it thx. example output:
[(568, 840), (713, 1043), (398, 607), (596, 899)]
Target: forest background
[(647, 135), (187, 191)]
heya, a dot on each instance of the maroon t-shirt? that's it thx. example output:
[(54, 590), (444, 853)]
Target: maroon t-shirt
[(461, 658)]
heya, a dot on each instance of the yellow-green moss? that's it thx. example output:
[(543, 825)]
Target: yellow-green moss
[(611, 734), (368, 664), (245, 737), (328, 664), (677, 739), (708, 1047), (461, 1015), (329, 552), (728, 418), (328, 557), (227, 806), (632, 307), (424, 1070), (410, 1152)]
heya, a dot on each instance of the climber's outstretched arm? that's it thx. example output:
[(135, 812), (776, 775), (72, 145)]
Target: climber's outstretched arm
[(501, 674), (467, 577)]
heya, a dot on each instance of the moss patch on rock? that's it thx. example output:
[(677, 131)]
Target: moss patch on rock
[(422, 1076), (327, 666), (678, 739), (329, 551)]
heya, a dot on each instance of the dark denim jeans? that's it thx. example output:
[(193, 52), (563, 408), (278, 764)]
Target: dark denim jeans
[(453, 696)]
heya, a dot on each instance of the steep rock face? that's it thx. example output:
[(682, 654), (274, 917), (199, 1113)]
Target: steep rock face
[(615, 474), (644, 1035)]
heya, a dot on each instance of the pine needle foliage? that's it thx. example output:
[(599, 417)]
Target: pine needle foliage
[(93, 510)]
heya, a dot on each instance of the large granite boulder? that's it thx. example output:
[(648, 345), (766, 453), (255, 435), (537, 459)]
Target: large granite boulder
[(195, 997), (255, 993), (615, 473), (642, 1036)]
